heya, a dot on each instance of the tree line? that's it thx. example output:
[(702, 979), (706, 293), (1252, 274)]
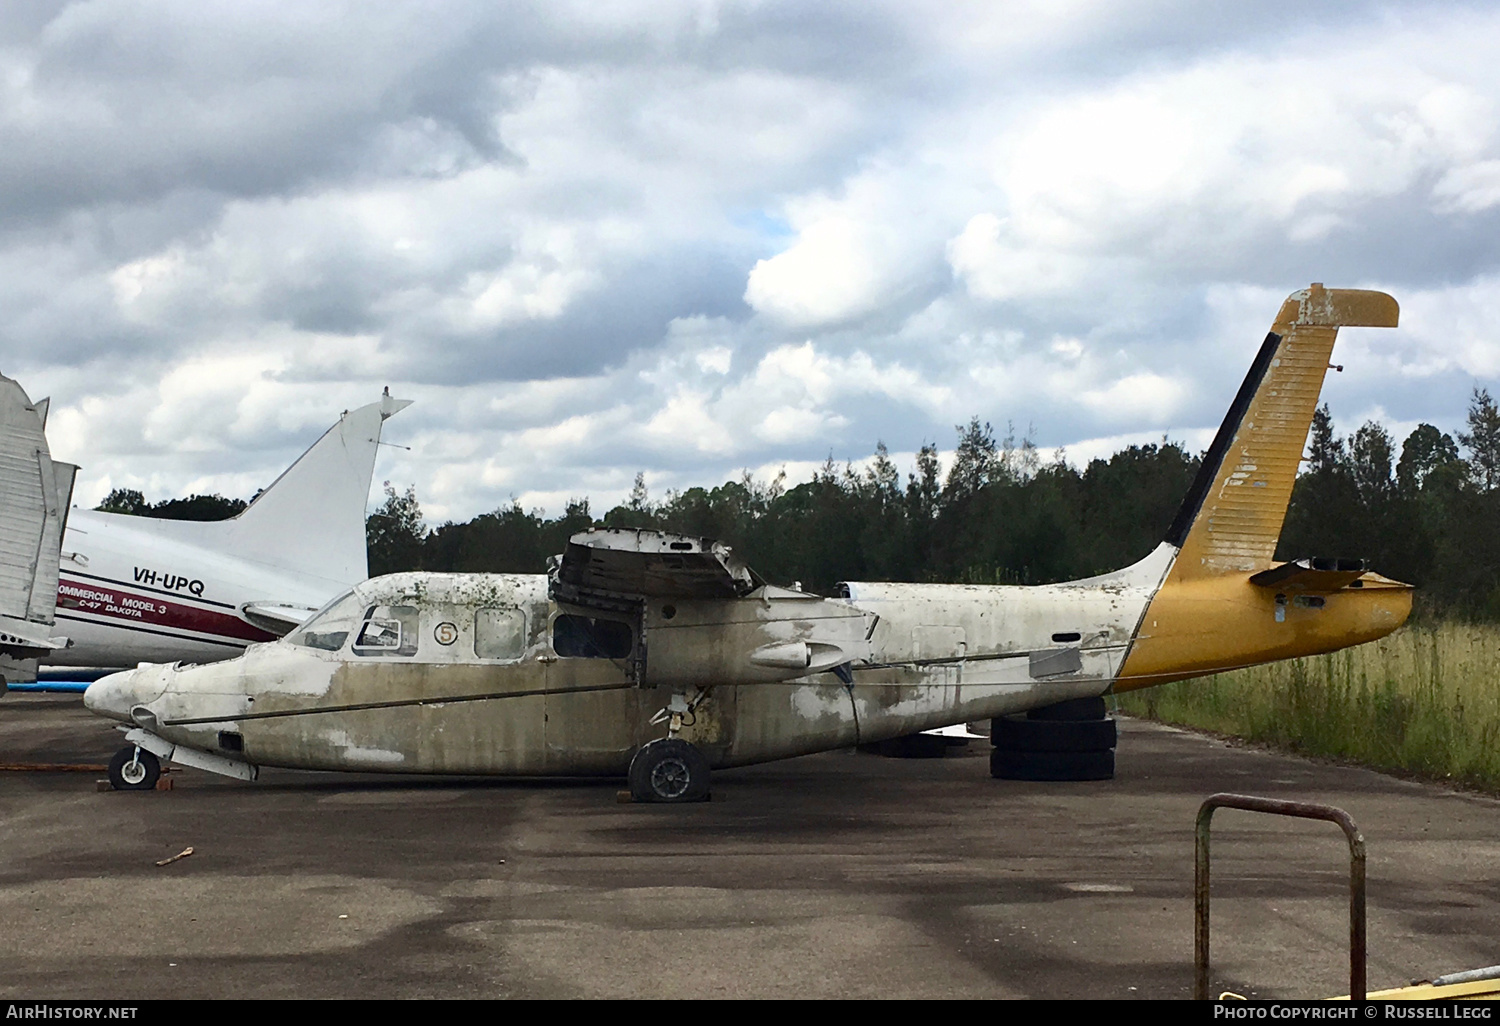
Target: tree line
[(1428, 514)]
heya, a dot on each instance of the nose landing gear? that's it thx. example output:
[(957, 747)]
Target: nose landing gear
[(134, 769)]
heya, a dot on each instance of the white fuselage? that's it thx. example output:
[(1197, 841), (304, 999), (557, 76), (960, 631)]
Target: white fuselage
[(480, 676), (140, 589), (129, 592)]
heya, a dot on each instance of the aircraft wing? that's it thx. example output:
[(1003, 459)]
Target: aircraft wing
[(274, 617), (634, 564)]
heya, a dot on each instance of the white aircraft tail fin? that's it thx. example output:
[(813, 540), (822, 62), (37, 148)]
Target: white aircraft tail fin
[(311, 520)]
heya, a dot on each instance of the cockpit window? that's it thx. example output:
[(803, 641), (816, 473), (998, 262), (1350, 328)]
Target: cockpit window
[(388, 630), (330, 626), (586, 637), (379, 634)]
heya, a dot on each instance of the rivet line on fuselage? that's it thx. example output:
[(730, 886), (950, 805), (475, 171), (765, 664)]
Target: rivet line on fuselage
[(397, 704)]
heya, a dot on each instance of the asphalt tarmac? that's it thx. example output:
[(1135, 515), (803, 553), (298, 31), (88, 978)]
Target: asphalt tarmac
[(831, 876)]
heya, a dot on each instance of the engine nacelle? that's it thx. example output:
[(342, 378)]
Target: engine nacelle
[(772, 634)]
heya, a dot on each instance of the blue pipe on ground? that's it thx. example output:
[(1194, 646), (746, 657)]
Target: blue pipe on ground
[(73, 686)]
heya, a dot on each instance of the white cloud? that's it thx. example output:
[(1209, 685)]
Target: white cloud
[(687, 238), (1445, 329), (1469, 189), (791, 424), (518, 292), (832, 272), (996, 264), (1192, 440), (715, 360), (789, 397), (1137, 398), (685, 421), (1195, 164), (142, 279), (852, 254)]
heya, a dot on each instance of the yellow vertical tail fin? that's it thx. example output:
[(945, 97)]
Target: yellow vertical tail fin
[(1232, 516), (1214, 610)]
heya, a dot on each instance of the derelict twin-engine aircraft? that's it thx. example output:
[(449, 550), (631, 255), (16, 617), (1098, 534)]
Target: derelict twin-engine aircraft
[(661, 657), (135, 589)]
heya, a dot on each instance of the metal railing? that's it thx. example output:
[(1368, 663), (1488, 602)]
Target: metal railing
[(1300, 810)]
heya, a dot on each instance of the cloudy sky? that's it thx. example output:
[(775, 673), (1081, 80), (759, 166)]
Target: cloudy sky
[(688, 238)]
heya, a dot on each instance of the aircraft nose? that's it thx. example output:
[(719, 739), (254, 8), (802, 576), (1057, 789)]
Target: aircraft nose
[(115, 695), (107, 696)]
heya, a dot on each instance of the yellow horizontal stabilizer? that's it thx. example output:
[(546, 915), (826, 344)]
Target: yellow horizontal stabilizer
[(1319, 575), (1339, 308)]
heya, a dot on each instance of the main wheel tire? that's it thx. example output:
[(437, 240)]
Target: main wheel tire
[(1054, 735), (134, 769), (668, 770), (1006, 765), (1072, 709)]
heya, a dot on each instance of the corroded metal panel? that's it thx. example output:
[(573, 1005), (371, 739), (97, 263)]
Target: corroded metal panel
[(778, 721), (1053, 662), (27, 489), (34, 497), (595, 732), (639, 563)]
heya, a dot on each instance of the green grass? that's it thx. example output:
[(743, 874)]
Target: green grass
[(1425, 700)]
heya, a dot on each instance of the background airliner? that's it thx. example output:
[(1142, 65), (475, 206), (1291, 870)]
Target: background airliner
[(137, 589)]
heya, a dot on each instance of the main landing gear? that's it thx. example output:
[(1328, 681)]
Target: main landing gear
[(670, 769), (134, 769)]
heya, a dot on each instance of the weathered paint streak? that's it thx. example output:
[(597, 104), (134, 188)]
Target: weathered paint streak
[(1210, 624)]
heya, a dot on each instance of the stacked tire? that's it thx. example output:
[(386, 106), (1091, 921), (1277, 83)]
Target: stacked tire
[(1073, 740)]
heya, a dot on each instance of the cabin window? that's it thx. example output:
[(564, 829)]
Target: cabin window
[(499, 633), (588, 638), (388, 630), (330, 627)]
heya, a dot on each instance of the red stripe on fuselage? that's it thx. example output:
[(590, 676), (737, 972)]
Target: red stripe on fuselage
[(130, 607)]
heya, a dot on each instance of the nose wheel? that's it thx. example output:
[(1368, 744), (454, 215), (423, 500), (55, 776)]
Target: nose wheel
[(134, 769)]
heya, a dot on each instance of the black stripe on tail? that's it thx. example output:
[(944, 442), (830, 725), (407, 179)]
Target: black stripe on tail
[(1208, 472)]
